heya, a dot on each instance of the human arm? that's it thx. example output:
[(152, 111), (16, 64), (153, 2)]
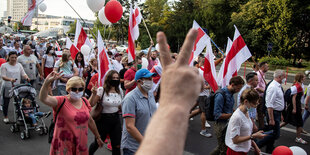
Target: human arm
[(43, 64), (43, 96), (307, 102), (271, 118), (149, 51), (95, 97), (75, 70), (294, 103), (93, 128), (270, 99), (218, 61), (132, 130), (173, 112), (128, 84), (218, 108), (239, 139)]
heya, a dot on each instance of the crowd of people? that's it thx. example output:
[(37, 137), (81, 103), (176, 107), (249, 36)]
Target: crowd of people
[(132, 92)]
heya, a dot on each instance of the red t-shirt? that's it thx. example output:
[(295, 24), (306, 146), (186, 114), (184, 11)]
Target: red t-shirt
[(130, 75), (2, 61)]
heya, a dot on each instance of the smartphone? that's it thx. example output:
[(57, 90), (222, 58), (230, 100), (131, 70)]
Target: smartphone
[(268, 132)]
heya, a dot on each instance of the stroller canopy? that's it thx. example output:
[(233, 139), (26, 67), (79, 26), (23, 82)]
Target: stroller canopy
[(23, 91)]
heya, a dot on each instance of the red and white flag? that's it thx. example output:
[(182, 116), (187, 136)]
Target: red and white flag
[(237, 55), (209, 73), (104, 64), (220, 75), (57, 46), (27, 19), (59, 54), (80, 36), (72, 48), (135, 18), (200, 43)]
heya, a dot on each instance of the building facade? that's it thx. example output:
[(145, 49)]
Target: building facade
[(17, 9)]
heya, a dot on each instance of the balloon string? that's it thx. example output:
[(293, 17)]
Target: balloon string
[(90, 30)]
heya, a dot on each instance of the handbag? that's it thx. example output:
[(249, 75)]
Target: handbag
[(96, 111), (52, 125)]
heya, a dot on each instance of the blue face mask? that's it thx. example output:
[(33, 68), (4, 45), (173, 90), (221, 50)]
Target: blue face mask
[(251, 109)]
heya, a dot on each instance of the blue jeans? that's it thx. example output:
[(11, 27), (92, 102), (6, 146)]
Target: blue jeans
[(33, 116), (305, 115), (127, 152), (269, 140)]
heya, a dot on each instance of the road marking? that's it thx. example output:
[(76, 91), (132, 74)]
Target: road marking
[(293, 130)]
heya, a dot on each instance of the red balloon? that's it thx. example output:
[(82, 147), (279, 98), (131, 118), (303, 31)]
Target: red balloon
[(113, 11), (282, 150)]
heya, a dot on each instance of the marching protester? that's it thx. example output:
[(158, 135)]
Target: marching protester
[(123, 71), (152, 57), (261, 86), (251, 82), (129, 76), (81, 64), (30, 63), (239, 137), (223, 109), (294, 109), (3, 52), (306, 113), (73, 120), (138, 107), (108, 123), (275, 105), (11, 73), (48, 61)]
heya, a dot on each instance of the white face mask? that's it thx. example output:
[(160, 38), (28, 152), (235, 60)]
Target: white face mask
[(76, 96), (283, 80), (51, 51), (147, 85)]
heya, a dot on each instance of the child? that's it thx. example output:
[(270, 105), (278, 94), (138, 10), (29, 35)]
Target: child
[(30, 111)]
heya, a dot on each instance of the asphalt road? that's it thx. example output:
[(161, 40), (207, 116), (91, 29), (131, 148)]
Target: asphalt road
[(11, 143)]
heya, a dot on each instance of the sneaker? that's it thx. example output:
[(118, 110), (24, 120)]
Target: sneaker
[(37, 128), (47, 114), (205, 133), (300, 140), (6, 120), (207, 125)]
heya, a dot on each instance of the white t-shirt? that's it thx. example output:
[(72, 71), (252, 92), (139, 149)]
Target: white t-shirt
[(80, 68), (205, 92), (29, 63), (15, 72), (110, 102), (239, 125), (49, 61)]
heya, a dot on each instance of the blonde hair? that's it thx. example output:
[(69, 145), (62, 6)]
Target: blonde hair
[(91, 61), (64, 58), (74, 81)]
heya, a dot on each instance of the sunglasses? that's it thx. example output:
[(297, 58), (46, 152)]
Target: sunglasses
[(77, 89)]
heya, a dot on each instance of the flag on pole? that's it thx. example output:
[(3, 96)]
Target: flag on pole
[(71, 47), (80, 36), (238, 54), (135, 18), (220, 75), (57, 46), (104, 64), (200, 43), (209, 73), (27, 19)]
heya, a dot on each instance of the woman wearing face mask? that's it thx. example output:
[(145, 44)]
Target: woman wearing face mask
[(110, 97), (48, 61), (11, 73), (73, 120), (294, 110), (240, 127)]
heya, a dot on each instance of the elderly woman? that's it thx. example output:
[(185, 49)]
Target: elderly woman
[(73, 120)]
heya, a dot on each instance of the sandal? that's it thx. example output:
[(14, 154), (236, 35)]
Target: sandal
[(300, 140)]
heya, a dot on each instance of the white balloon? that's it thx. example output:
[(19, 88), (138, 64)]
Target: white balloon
[(42, 7), (145, 63), (157, 47), (95, 5), (85, 50), (298, 150), (102, 18)]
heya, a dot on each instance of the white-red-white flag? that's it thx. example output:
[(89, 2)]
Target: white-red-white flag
[(200, 43), (209, 73), (71, 47), (57, 46), (80, 37), (135, 18), (27, 19), (104, 64), (237, 55), (220, 75)]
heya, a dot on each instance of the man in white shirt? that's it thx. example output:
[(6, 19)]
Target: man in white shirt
[(275, 106), (117, 65)]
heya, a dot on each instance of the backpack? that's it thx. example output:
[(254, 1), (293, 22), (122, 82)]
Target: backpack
[(287, 97), (209, 104)]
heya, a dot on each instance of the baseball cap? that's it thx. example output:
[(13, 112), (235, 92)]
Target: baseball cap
[(117, 54), (143, 73)]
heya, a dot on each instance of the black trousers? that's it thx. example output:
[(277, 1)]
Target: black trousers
[(108, 124)]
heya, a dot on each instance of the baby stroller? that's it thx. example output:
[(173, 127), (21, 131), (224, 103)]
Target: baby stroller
[(19, 93)]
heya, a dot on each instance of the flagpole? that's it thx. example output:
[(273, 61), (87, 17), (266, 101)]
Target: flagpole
[(148, 32), (81, 19)]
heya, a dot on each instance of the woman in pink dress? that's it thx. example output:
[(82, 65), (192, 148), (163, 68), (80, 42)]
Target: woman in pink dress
[(73, 120)]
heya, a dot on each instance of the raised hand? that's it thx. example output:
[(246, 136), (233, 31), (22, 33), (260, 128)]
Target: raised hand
[(53, 76), (181, 83)]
